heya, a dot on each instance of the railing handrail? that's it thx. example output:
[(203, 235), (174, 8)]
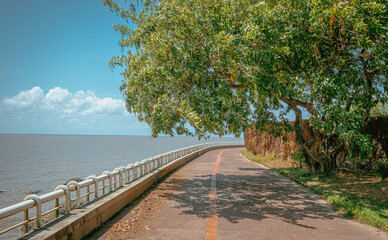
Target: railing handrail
[(138, 169)]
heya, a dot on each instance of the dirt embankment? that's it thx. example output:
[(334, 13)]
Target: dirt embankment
[(262, 143)]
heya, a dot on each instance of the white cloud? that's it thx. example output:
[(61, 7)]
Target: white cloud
[(29, 99), (57, 95), (108, 105), (65, 102)]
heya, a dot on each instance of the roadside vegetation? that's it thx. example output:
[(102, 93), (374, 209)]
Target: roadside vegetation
[(224, 66), (356, 194)]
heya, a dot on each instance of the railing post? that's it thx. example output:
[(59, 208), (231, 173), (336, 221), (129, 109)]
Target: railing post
[(126, 171), (95, 181), (77, 191), (144, 164), (57, 206), (38, 202), (87, 193), (136, 170), (124, 176), (67, 196), (130, 167), (142, 169), (25, 225), (103, 187), (110, 179), (152, 164), (120, 176)]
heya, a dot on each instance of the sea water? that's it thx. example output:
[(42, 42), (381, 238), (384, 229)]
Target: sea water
[(36, 164)]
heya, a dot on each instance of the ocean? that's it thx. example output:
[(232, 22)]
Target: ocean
[(36, 164)]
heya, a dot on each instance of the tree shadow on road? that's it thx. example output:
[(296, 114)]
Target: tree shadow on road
[(257, 196)]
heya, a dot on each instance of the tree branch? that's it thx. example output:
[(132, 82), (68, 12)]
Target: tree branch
[(290, 102)]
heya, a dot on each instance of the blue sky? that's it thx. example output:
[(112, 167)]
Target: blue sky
[(54, 74)]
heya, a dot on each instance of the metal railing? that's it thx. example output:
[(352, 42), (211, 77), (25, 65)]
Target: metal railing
[(75, 194)]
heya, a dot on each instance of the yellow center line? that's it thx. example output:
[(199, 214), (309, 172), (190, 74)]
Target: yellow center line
[(211, 229)]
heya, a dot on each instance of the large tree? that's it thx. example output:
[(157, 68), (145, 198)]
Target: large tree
[(221, 66)]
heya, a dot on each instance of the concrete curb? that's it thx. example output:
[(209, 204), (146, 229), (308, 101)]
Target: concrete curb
[(80, 222)]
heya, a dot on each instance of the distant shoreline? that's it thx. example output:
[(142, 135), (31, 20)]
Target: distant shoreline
[(97, 135)]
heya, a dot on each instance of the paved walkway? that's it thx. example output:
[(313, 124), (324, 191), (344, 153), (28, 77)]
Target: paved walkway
[(221, 195)]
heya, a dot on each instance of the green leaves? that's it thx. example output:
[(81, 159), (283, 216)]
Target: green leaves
[(220, 66)]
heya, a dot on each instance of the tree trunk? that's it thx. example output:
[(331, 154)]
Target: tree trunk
[(314, 159)]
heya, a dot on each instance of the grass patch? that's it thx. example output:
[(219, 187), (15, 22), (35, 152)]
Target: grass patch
[(269, 160), (355, 194)]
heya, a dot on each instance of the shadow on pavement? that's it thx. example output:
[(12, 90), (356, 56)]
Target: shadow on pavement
[(257, 196)]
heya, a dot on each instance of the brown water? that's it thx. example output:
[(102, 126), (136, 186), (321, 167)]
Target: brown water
[(38, 163)]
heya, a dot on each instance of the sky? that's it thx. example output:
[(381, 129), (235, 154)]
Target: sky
[(54, 73)]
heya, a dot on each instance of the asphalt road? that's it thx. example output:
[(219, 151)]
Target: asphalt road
[(221, 195)]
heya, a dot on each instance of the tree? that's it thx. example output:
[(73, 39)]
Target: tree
[(223, 66), (380, 109)]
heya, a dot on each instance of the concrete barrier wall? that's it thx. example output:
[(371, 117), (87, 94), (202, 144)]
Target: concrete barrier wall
[(80, 222)]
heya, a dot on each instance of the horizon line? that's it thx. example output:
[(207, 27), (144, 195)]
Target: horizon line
[(105, 135)]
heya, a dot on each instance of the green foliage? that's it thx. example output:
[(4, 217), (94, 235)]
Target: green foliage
[(222, 66), (361, 208), (382, 169), (297, 159), (368, 209), (380, 109)]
